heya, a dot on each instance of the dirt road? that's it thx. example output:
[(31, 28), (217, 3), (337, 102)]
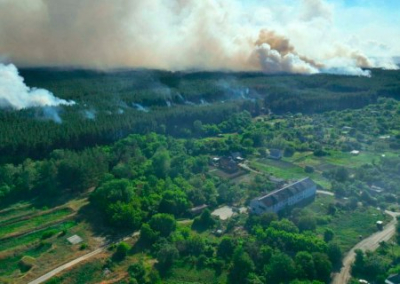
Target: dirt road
[(67, 265), (371, 243), (324, 192), (54, 272)]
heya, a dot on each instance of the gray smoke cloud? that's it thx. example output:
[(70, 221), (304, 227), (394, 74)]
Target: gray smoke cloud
[(177, 35), (15, 94)]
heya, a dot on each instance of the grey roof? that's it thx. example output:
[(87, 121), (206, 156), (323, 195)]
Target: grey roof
[(284, 193), (275, 153)]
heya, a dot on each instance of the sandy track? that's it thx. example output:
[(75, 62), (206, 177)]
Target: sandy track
[(371, 243)]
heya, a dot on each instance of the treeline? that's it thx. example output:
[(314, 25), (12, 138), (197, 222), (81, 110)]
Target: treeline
[(106, 107)]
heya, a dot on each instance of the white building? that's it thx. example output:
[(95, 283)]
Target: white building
[(285, 197)]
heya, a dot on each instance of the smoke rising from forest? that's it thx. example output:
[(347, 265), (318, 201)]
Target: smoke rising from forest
[(15, 94), (267, 36)]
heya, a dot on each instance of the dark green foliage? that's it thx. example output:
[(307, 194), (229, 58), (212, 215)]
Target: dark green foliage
[(242, 266), (121, 252), (226, 248), (163, 224), (328, 235), (371, 267), (117, 200), (335, 254), (49, 234), (309, 169), (204, 221), (137, 271), (280, 269), (166, 257), (323, 267), (307, 223), (305, 265)]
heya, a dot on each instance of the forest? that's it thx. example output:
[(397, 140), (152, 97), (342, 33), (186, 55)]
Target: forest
[(134, 156), (111, 105)]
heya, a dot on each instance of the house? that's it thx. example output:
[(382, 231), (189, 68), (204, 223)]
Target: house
[(228, 165), (376, 190), (197, 210), (215, 161), (237, 157), (287, 196), (275, 154), (75, 239), (393, 279)]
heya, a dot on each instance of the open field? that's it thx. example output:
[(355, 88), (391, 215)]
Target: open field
[(28, 224), (190, 274), (16, 211), (347, 229), (286, 170), (40, 233)]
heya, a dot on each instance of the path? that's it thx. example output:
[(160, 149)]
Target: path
[(247, 168), (67, 265), (371, 243), (52, 273), (324, 192)]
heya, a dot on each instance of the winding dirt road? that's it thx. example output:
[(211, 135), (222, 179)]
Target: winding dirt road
[(371, 243)]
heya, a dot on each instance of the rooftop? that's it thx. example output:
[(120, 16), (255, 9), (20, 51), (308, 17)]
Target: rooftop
[(284, 193)]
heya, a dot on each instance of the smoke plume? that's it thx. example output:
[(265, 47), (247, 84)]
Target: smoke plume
[(15, 94), (179, 35)]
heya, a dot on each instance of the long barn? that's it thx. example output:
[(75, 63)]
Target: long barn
[(287, 196)]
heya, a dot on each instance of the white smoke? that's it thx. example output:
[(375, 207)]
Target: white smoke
[(15, 94), (184, 34)]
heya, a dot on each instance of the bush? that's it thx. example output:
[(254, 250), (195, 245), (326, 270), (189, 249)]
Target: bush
[(26, 263), (122, 251), (49, 234), (83, 246), (309, 169)]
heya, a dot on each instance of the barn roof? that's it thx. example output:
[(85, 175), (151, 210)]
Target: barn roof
[(286, 192)]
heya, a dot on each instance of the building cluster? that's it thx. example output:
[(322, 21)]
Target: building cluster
[(229, 164)]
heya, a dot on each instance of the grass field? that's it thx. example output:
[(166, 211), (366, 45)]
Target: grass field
[(287, 171), (28, 239), (9, 264), (25, 225), (184, 273), (86, 273), (16, 211), (347, 230)]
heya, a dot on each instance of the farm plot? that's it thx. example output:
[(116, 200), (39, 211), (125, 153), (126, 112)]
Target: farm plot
[(20, 225), (288, 171)]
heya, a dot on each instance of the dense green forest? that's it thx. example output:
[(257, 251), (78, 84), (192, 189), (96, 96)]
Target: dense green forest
[(112, 105)]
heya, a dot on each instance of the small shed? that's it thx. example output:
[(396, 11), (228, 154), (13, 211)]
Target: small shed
[(275, 154), (379, 225), (237, 157), (75, 239), (198, 209)]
